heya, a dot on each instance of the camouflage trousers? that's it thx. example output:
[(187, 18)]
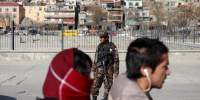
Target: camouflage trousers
[(102, 76)]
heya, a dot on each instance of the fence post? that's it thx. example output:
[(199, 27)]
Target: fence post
[(183, 37), (194, 35), (62, 37), (13, 36)]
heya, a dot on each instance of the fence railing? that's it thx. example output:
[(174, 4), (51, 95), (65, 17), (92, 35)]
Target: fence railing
[(175, 40)]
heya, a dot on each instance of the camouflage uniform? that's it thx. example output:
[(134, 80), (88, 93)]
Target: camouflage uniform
[(106, 64)]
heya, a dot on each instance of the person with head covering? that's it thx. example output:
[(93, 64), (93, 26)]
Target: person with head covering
[(68, 77)]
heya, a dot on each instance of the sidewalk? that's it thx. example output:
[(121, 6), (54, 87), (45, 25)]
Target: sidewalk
[(21, 80)]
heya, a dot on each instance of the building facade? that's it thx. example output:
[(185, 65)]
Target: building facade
[(61, 13), (114, 12), (50, 2), (136, 13), (11, 11), (35, 13)]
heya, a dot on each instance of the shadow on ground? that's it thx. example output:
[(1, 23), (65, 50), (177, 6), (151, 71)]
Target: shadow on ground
[(3, 97)]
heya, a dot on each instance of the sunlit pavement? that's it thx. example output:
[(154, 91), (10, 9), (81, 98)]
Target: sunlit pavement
[(23, 80)]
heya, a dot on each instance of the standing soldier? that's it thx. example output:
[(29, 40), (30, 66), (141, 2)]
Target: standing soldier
[(106, 66)]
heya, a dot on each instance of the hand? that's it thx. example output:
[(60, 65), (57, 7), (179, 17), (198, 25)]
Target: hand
[(115, 76), (94, 67), (92, 75)]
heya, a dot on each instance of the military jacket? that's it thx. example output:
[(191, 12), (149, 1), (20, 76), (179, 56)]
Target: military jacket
[(107, 54)]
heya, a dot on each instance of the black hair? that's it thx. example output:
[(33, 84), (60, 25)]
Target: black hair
[(104, 34), (143, 51), (82, 62)]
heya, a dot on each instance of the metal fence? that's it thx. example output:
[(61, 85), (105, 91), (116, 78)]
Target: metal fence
[(176, 39)]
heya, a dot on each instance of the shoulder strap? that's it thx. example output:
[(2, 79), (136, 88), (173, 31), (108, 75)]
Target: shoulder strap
[(112, 45)]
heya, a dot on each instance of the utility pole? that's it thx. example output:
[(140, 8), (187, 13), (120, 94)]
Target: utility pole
[(77, 10)]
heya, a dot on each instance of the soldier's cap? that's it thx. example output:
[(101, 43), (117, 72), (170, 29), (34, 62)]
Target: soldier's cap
[(103, 34)]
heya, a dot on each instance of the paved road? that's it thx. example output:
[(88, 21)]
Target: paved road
[(23, 80)]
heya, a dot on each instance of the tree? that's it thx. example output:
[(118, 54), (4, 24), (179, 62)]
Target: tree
[(183, 16), (1, 17), (7, 18), (2, 21), (157, 9), (197, 14), (51, 26), (132, 13), (98, 13), (27, 22)]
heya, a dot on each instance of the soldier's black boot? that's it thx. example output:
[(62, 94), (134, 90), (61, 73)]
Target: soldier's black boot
[(94, 97)]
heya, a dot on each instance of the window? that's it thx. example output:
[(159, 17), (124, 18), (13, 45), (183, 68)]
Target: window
[(0, 10), (130, 4), (137, 14), (70, 7), (110, 5), (7, 16), (7, 9), (137, 4), (179, 4), (143, 14), (173, 3), (40, 8), (14, 9), (115, 18), (167, 4), (71, 2), (14, 16)]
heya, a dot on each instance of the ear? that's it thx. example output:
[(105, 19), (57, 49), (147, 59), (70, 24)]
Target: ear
[(145, 70), (142, 71)]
